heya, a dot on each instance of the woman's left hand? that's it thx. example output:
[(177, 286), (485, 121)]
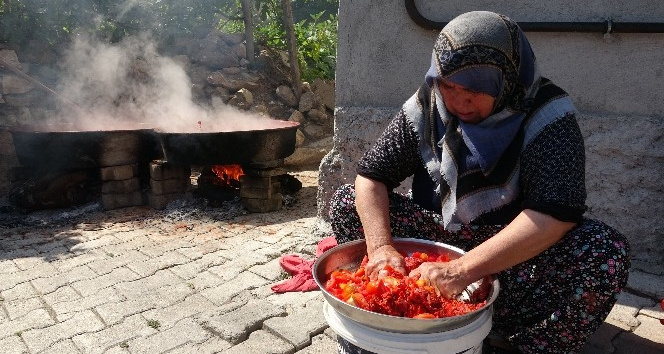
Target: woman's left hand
[(447, 277)]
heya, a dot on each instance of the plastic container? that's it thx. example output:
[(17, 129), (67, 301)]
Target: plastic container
[(467, 339)]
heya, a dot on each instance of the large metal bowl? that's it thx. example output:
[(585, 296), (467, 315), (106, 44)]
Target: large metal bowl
[(349, 256)]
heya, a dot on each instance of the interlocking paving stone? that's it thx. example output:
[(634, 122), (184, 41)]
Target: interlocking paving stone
[(139, 287), (99, 342), (651, 329), (38, 318), (185, 331), (114, 312), (235, 326), (105, 240), (12, 345), (623, 314), (42, 338), (190, 306), (52, 283), (222, 294), (210, 346), (91, 287), (117, 276), (20, 307), (12, 279), (104, 296), (116, 260), (62, 294), (8, 266), (270, 270), (152, 265), (65, 346), (320, 344), (237, 264), (649, 284), (262, 342), (300, 325), (21, 291), (193, 268)]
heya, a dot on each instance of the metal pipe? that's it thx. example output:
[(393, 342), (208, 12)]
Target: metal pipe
[(607, 27)]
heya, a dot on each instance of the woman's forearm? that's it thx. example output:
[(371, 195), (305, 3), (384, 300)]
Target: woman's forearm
[(529, 234), (371, 200)]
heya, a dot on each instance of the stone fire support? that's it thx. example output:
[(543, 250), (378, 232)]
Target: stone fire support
[(120, 187), (260, 189), (167, 182)]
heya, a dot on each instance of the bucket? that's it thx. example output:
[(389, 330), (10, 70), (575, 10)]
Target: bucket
[(466, 339)]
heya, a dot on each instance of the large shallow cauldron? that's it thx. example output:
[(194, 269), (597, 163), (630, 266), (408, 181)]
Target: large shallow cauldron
[(57, 147), (349, 256), (273, 140)]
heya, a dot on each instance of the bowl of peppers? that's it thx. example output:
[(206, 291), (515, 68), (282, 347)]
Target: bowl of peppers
[(395, 302)]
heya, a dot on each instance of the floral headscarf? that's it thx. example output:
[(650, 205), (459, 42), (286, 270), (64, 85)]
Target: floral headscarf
[(487, 52)]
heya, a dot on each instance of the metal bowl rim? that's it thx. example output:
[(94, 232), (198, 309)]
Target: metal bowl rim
[(400, 324)]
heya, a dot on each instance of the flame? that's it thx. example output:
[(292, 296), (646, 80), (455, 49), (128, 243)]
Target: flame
[(228, 174)]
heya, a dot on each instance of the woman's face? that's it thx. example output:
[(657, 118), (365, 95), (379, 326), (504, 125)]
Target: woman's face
[(469, 106)]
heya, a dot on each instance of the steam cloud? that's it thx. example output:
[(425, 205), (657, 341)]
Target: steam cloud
[(129, 83)]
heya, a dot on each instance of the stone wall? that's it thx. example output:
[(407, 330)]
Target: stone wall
[(614, 80), (218, 69)]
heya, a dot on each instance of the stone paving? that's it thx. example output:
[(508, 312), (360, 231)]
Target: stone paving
[(197, 280)]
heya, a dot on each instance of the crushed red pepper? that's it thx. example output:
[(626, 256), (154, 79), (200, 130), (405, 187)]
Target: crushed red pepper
[(396, 294)]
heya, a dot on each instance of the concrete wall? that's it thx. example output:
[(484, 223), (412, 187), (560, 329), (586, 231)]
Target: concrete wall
[(615, 81)]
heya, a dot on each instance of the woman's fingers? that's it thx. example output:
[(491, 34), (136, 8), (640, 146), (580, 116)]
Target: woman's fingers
[(382, 257), (442, 276)]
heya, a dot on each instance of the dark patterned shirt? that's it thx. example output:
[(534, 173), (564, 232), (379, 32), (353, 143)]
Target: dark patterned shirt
[(552, 169)]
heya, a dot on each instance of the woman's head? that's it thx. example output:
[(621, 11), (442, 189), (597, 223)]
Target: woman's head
[(487, 54)]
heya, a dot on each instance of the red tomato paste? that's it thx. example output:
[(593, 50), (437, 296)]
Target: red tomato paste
[(396, 294)]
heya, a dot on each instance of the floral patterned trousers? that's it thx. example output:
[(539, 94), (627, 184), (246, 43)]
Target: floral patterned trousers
[(549, 304)]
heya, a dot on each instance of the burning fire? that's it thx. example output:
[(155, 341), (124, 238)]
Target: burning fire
[(228, 175)]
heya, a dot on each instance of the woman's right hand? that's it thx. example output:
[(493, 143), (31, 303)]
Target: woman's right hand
[(383, 256)]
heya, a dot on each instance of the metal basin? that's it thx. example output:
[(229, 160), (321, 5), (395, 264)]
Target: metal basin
[(56, 147), (273, 141), (349, 256)]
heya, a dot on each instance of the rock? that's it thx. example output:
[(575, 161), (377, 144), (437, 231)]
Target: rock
[(316, 132), (12, 84), (215, 54), (310, 155), (10, 57), (234, 81), (299, 138), (261, 109), (28, 99), (183, 61), (286, 95), (325, 92), (307, 101), (240, 51), (297, 116), (318, 116), (280, 111), (242, 99), (232, 38)]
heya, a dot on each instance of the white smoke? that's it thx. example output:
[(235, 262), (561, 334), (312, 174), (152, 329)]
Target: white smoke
[(129, 83)]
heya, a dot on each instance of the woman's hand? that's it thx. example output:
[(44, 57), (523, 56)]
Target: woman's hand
[(383, 256), (448, 278)]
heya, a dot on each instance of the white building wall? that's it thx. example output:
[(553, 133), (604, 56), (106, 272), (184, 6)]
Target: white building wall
[(614, 79)]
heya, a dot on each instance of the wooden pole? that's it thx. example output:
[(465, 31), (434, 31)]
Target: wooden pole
[(247, 14), (292, 48)]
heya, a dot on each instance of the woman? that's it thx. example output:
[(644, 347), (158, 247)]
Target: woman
[(498, 168)]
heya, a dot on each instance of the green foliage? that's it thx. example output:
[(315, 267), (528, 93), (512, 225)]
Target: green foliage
[(55, 21), (111, 20), (316, 36), (317, 46)]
